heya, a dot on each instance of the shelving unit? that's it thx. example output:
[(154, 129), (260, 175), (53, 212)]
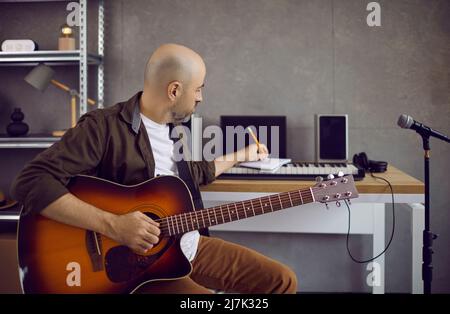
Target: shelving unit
[(80, 58)]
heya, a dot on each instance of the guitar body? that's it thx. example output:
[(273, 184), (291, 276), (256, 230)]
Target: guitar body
[(58, 258)]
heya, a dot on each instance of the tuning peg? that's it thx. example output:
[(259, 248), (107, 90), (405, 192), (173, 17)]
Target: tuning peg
[(319, 182), (338, 204), (326, 205), (340, 174), (330, 176)]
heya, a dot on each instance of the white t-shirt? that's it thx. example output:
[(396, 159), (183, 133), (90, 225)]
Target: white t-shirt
[(162, 148)]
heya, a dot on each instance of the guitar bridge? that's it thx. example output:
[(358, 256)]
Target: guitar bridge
[(94, 249)]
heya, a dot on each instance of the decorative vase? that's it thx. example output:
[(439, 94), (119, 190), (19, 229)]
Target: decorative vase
[(17, 127)]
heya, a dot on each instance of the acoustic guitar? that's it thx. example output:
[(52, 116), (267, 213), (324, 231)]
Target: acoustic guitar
[(59, 258)]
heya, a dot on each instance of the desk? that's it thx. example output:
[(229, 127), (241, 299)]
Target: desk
[(368, 213)]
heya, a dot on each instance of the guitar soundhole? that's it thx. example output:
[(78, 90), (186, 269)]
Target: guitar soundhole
[(122, 264)]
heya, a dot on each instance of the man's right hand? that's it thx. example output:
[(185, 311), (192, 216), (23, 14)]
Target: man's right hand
[(135, 230)]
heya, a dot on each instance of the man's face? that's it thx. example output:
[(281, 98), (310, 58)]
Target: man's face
[(190, 98)]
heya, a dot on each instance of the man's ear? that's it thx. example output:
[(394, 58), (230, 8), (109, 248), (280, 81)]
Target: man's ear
[(174, 90)]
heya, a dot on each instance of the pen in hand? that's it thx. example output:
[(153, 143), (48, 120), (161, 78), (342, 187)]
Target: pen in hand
[(262, 150), (254, 136)]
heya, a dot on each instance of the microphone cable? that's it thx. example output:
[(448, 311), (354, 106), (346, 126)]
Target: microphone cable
[(392, 232)]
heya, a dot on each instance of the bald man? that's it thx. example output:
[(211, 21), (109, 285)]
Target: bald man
[(129, 143)]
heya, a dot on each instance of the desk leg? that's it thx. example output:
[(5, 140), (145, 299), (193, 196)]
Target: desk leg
[(417, 227), (378, 246)]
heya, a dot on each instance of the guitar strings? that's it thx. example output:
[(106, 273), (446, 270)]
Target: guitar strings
[(176, 225), (177, 222), (269, 198)]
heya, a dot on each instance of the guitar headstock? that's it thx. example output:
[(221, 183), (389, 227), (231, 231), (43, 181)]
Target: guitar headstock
[(337, 189)]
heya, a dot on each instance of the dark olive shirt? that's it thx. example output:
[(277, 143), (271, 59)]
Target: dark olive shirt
[(109, 143)]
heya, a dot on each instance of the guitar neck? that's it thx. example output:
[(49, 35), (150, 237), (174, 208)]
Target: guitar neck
[(190, 221)]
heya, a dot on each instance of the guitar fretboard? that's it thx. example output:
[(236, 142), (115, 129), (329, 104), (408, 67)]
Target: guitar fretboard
[(190, 221)]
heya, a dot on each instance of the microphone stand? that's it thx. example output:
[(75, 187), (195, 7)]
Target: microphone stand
[(428, 236)]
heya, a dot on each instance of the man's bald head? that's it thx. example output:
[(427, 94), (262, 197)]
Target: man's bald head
[(174, 78), (171, 62)]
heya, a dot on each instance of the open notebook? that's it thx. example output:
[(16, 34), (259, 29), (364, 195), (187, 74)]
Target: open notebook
[(268, 164)]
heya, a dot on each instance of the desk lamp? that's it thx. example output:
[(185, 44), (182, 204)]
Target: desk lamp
[(41, 77)]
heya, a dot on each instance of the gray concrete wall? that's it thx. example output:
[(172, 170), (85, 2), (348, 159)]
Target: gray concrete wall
[(291, 57)]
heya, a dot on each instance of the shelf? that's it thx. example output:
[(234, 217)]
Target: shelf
[(9, 216), (50, 57), (12, 1), (29, 141)]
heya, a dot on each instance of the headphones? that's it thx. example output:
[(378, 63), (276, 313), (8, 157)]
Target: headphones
[(362, 161)]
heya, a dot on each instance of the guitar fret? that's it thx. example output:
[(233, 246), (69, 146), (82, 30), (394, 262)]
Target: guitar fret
[(168, 226), (251, 203), (262, 207), (173, 225), (212, 222), (245, 210), (234, 212), (228, 208), (221, 212), (199, 219), (203, 218), (312, 195), (196, 218), (181, 221), (237, 211), (187, 223), (282, 207), (180, 218), (237, 217), (290, 199), (209, 218), (176, 223), (192, 221), (270, 201), (217, 222), (301, 198)]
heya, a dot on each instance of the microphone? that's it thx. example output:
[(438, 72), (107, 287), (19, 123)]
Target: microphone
[(407, 122)]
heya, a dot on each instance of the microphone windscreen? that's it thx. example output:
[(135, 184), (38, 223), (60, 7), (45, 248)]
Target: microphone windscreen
[(405, 121)]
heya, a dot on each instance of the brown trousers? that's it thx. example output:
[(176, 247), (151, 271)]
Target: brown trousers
[(225, 266)]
